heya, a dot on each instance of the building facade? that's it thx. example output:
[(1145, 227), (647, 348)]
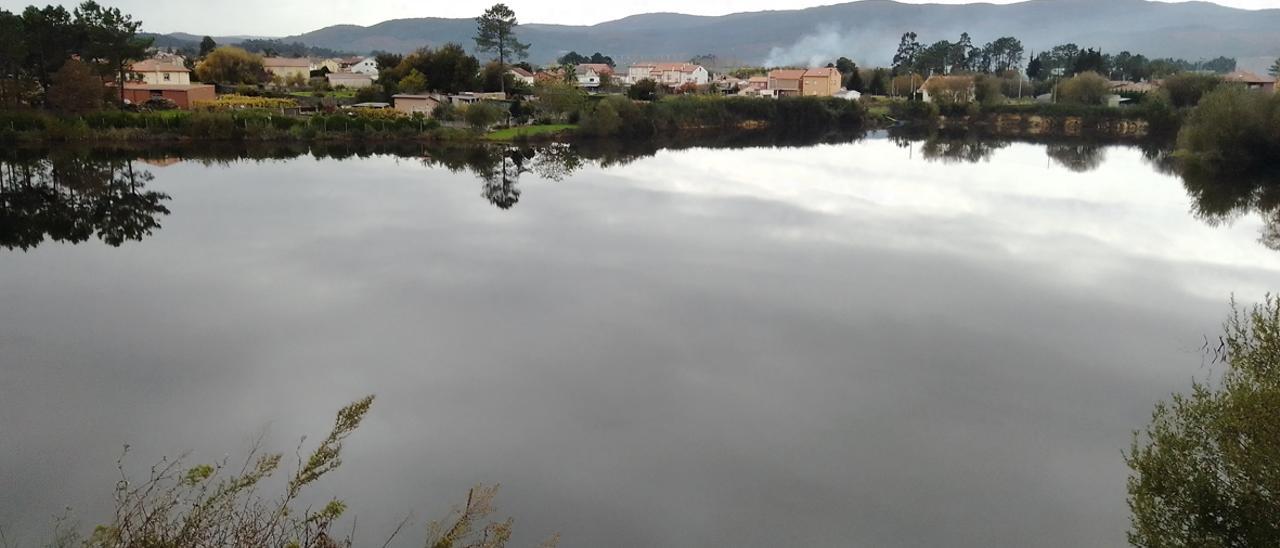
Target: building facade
[(416, 103), (821, 82), (349, 80), (155, 71), (183, 95), (367, 66), (669, 74), (287, 67), (786, 82)]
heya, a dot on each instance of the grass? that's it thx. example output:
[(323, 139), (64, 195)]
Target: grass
[(511, 134)]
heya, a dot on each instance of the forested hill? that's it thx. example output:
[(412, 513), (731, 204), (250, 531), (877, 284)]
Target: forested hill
[(866, 30)]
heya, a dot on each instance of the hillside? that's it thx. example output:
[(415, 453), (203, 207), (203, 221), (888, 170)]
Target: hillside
[(867, 30)]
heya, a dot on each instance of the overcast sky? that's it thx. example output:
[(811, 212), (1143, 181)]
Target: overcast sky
[(286, 17)]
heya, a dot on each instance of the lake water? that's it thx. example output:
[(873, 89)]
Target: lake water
[(878, 343)]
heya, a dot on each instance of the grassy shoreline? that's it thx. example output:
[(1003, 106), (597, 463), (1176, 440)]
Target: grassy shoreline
[(613, 119)]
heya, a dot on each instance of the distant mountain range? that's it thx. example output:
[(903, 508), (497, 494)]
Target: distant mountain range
[(866, 31)]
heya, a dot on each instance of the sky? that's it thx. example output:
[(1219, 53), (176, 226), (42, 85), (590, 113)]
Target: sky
[(289, 17)]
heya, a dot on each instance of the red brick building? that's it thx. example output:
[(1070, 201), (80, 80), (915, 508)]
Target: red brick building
[(183, 95)]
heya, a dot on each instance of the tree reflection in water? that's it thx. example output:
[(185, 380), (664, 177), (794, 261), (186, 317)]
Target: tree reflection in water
[(1220, 198), (71, 198), (1077, 157), (500, 167)]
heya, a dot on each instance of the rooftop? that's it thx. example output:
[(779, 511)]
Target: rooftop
[(823, 72), (300, 62), (787, 74), (1248, 78), (668, 67), (157, 65), (162, 87)]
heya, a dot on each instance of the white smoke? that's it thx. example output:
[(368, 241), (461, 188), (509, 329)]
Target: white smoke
[(826, 44)]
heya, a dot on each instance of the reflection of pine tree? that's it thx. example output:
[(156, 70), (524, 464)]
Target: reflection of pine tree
[(500, 182), (72, 198), (1080, 158), (961, 149), (555, 162)]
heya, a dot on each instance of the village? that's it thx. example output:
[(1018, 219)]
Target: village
[(165, 78)]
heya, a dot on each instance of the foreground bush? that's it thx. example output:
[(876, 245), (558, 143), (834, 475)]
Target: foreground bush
[(1206, 472), (217, 505)]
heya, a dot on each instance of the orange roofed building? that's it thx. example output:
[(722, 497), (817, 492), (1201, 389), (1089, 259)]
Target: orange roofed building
[(821, 82), (786, 82)]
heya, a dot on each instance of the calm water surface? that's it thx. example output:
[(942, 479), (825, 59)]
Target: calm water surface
[(862, 344)]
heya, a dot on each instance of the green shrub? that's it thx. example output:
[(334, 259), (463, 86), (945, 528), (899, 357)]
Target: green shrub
[(1187, 88), (917, 111), (482, 115), (68, 129), (1086, 88), (1233, 130), (644, 90), (211, 125)]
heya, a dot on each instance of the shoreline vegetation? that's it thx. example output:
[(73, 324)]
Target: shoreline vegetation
[(611, 117)]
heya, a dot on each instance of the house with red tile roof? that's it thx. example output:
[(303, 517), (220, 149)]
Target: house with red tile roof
[(1251, 80), (521, 75), (786, 82)]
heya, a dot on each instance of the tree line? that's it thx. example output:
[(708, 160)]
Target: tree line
[(37, 43), (944, 56), (1071, 59)]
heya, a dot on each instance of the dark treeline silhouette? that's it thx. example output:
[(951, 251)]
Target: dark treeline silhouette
[(71, 198)]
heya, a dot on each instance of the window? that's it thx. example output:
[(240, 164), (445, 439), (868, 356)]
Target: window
[(166, 77)]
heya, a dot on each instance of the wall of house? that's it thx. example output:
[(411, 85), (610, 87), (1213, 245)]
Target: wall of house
[(350, 83), (368, 67), (158, 77), (824, 86), (409, 105), (286, 72), (184, 98), (636, 74)]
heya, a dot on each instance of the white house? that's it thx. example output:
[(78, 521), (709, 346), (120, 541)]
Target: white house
[(669, 74), (367, 66), (590, 74), (521, 75)]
